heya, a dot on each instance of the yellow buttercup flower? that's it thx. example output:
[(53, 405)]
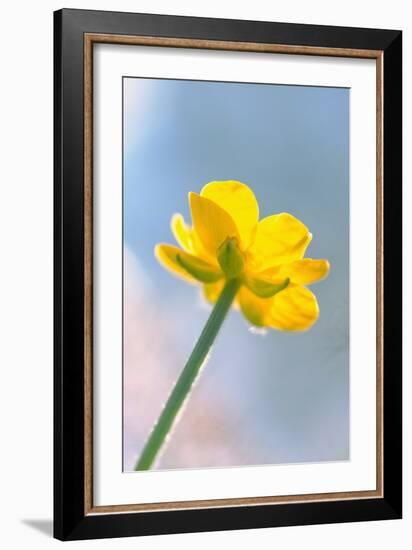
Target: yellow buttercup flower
[(228, 241), (256, 265)]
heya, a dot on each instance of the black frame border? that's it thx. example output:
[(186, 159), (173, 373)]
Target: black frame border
[(70, 521)]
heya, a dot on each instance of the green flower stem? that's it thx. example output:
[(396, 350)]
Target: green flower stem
[(188, 376)]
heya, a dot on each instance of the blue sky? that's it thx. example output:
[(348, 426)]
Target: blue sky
[(285, 396)]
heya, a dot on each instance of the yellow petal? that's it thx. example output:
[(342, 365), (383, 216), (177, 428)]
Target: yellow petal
[(295, 308), (185, 265), (239, 202), (182, 232), (304, 272), (279, 239), (188, 239), (212, 224), (292, 309), (255, 309), (212, 291)]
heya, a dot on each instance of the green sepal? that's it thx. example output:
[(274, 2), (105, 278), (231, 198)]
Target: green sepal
[(198, 269), (265, 289), (230, 258)]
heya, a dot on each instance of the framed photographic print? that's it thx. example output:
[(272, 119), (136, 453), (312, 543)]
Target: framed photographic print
[(227, 274)]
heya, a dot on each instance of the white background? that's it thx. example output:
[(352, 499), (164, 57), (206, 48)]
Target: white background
[(111, 486), (26, 274)]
